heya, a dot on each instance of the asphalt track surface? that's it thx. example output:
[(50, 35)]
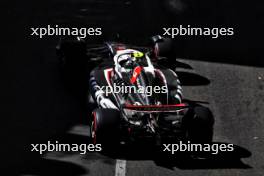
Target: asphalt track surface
[(231, 114), (228, 78)]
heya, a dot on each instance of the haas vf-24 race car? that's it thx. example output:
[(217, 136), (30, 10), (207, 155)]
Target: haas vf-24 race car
[(135, 95)]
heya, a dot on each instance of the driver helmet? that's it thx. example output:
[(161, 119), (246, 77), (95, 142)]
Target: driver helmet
[(126, 61)]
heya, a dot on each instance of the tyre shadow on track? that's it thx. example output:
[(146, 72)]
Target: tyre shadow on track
[(182, 160), (192, 79), (221, 160), (187, 78)]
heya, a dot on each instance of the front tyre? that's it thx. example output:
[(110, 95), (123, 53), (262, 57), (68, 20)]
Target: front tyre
[(105, 126), (163, 47)]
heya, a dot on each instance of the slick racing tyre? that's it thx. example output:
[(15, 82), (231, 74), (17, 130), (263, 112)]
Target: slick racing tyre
[(163, 47), (105, 126), (199, 125)]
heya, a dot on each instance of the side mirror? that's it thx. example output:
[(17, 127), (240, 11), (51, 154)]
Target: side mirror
[(156, 39)]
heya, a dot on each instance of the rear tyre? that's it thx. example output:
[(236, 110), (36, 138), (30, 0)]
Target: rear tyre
[(200, 125), (105, 127)]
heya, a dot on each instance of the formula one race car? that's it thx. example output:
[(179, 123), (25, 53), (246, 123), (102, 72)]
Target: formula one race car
[(135, 95)]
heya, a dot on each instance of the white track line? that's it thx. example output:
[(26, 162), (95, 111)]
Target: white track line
[(120, 169)]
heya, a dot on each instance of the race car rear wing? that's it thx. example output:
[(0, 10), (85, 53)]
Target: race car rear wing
[(157, 108)]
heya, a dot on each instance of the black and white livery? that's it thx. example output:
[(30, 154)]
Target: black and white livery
[(135, 96)]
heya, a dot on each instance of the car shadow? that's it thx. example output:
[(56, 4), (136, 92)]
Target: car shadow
[(192, 79), (221, 160), (173, 64), (44, 167), (183, 160), (147, 151)]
